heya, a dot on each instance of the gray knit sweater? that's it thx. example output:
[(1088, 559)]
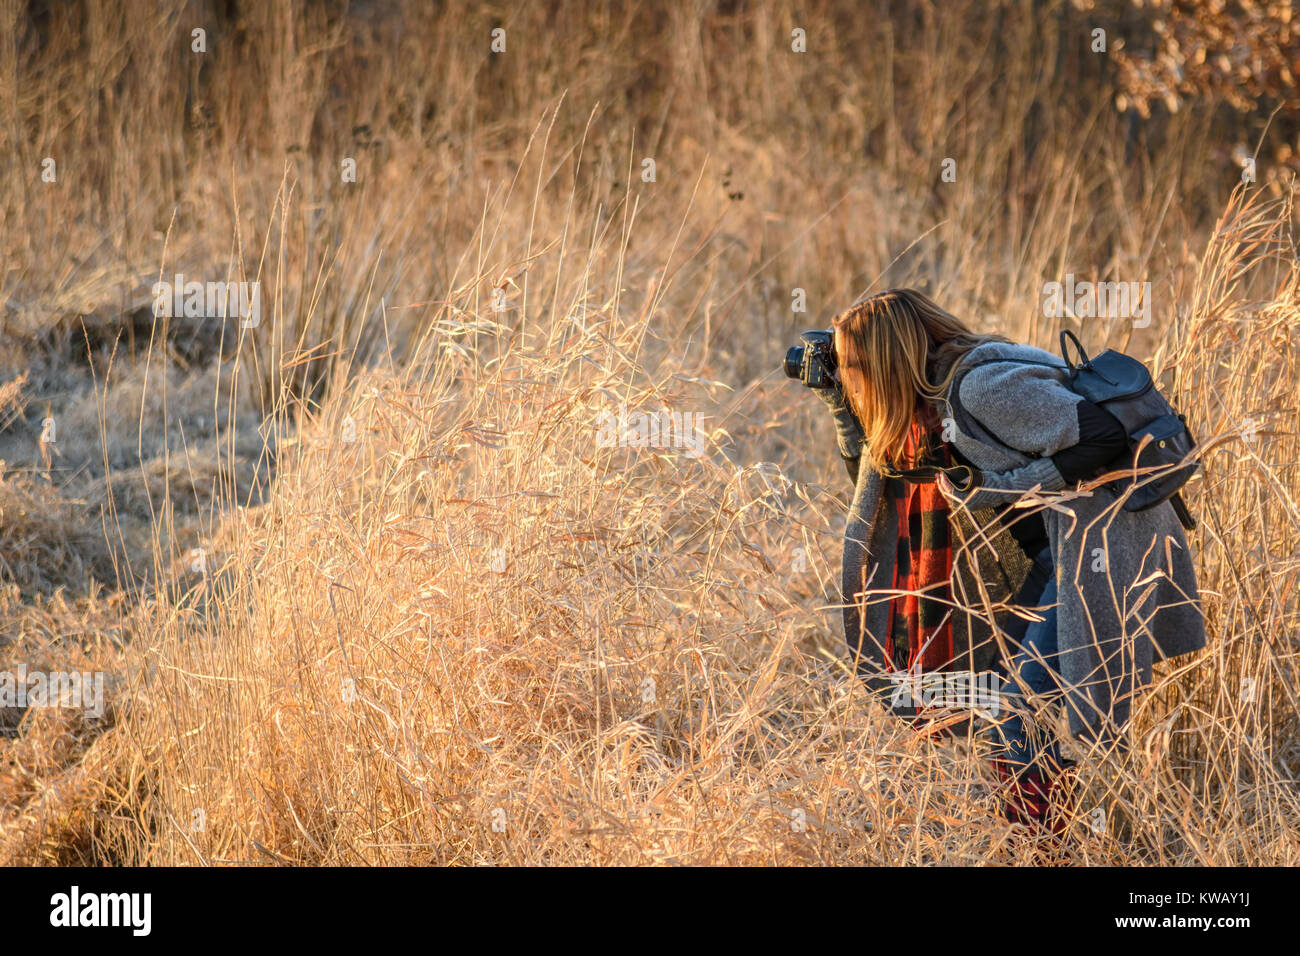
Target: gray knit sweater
[(1125, 580)]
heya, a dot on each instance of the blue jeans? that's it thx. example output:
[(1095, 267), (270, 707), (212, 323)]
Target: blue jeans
[(1020, 739)]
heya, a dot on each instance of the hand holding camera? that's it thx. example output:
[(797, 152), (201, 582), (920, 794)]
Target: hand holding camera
[(813, 362)]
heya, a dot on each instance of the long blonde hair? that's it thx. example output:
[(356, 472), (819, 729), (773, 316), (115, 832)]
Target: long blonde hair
[(888, 345)]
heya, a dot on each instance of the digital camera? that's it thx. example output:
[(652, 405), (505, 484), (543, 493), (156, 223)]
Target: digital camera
[(813, 362)]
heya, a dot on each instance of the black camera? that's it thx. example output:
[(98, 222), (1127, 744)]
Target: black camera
[(813, 362)]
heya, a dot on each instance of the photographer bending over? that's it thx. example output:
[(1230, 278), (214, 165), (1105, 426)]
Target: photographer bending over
[(1111, 590)]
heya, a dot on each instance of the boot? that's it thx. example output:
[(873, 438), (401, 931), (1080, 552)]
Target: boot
[(1038, 797)]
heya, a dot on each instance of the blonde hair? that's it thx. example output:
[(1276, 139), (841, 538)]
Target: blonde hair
[(887, 347)]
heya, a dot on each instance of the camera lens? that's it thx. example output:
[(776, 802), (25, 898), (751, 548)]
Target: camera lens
[(794, 361)]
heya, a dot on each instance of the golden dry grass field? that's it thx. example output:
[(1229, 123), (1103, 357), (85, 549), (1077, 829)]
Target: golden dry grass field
[(362, 581)]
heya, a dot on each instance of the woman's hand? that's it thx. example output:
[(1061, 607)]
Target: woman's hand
[(968, 479)]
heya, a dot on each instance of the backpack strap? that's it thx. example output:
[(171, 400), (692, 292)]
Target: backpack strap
[(1084, 362), (1018, 361), (1180, 508), (1071, 367)]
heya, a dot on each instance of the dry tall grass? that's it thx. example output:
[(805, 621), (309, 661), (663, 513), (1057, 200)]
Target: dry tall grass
[(435, 621)]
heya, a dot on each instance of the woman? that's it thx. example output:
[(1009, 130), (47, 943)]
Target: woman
[(1067, 596)]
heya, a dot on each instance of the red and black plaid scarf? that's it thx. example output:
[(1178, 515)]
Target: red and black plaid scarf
[(920, 628)]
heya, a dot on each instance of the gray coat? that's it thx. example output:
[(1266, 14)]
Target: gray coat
[(1126, 584)]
